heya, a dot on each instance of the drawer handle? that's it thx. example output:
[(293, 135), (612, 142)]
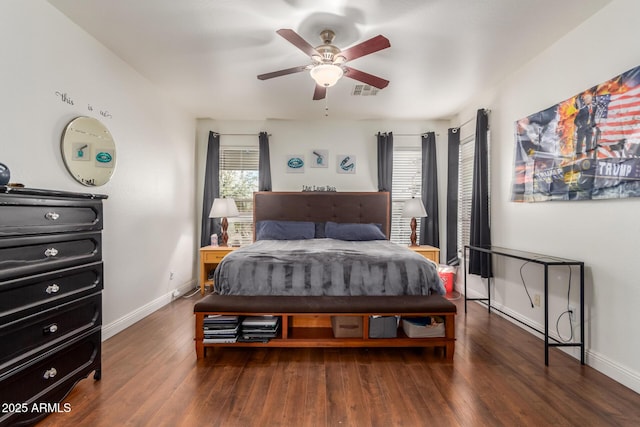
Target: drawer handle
[(50, 329), (50, 373), (52, 216), (51, 252), (52, 289)]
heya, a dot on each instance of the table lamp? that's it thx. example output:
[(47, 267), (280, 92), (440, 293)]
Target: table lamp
[(413, 208), (223, 208)]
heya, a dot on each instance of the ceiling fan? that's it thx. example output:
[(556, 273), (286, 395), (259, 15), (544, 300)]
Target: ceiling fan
[(328, 61)]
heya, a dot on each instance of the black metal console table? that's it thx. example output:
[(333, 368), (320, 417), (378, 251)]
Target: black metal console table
[(546, 261)]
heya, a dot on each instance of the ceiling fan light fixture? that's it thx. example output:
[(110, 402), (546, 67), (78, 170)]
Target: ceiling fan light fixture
[(326, 75), (338, 59)]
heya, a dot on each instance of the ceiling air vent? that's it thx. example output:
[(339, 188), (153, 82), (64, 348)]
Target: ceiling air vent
[(364, 90)]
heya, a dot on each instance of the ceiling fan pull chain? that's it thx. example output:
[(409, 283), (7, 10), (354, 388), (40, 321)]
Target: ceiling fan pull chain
[(326, 104)]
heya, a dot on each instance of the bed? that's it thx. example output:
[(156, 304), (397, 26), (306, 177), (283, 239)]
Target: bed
[(324, 244), (320, 258)]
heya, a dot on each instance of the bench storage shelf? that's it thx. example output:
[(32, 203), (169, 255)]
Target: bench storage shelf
[(306, 321)]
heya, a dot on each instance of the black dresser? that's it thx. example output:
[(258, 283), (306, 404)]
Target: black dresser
[(50, 299)]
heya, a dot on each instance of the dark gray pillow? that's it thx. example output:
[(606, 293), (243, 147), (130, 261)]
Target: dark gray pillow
[(320, 234), (284, 230), (354, 232)]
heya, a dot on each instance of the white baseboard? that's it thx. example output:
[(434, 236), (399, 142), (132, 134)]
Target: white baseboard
[(613, 370), (127, 320), (597, 361)]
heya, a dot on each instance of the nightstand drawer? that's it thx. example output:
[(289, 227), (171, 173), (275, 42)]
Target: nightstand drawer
[(214, 256), (429, 252), (26, 338), (433, 256)]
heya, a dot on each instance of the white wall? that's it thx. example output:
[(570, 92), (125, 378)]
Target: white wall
[(339, 137), (149, 215), (603, 233)]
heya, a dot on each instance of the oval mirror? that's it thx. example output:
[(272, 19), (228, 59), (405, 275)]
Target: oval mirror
[(88, 151)]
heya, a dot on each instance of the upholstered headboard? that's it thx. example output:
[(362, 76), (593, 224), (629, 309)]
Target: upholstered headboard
[(341, 207)]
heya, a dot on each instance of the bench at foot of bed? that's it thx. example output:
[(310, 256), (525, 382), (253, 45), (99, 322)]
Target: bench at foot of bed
[(306, 321)]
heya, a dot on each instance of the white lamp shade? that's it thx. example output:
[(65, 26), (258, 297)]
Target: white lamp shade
[(413, 208), (326, 75), (223, 208)]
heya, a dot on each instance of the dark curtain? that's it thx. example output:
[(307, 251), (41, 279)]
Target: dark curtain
[(211, 189), (385, 161), (429, 226), (480, 235), (452, 196), (264, 164), (385, 165)]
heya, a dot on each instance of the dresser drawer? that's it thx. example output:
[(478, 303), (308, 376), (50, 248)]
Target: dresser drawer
[(50, 378), (22, 215), (22, 296), (25, 338), (22, 256)]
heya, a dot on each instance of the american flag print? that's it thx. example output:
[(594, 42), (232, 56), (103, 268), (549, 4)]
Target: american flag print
[(585, 147)]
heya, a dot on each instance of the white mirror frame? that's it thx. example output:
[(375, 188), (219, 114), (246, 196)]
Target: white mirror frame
[(88, 151)]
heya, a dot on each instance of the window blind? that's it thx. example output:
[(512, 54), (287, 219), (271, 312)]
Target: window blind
[(238, 180), (239, 158), (465, 188), (406, 183)]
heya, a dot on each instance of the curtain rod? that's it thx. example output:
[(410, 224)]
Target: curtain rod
[(410, 134), (472, 119), (239, 134)]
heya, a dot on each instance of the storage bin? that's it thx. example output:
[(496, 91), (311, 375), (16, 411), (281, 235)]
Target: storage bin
[(423, 327), (346, 326), (383, 326)]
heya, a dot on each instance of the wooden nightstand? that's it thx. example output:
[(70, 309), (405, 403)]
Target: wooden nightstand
[(429, 252), (210, 257)]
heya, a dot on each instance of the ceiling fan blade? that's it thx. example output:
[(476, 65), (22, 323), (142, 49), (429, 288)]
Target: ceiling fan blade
[(363, 77), (365, 48), (295, 39), (319, 93), (282, 72)]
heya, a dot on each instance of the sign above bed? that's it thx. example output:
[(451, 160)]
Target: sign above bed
[(318, 188)]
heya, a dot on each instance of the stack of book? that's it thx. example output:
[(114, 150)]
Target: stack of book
[(259, 328), (221, 329)]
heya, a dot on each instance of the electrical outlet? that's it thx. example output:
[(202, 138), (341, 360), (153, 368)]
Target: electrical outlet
[(176, 293), (536, 300), (572, 313)]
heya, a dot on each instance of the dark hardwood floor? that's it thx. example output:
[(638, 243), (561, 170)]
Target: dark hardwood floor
[(151, 377)]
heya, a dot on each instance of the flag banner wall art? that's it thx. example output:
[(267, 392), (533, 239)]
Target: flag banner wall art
[(586, 147)]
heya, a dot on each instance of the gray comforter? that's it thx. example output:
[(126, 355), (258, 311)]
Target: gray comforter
[(326, 267)]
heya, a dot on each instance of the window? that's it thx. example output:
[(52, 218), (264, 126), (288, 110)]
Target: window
[(238, 180), (465, 186), (407, 183)]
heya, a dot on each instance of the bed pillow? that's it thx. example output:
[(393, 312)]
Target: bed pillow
[(285, 230), (354, 232), (320, 234)]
